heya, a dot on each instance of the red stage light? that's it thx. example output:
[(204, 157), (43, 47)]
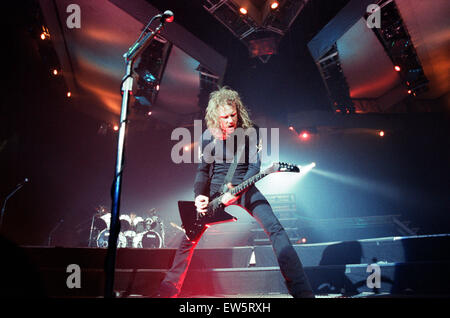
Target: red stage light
[(243, 10), (291, 128), (69, 94), (381, 133), (304, 135), (116, 127), (274, 5), (170, 19), (397, 68)]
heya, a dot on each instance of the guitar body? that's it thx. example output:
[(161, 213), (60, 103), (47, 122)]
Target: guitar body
[(194, 226)]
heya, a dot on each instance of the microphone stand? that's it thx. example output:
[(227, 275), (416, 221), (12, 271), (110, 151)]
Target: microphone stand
[(20, 185), (127, 86)]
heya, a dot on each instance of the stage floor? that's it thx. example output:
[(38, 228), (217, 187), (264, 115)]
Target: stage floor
[(408, 267)]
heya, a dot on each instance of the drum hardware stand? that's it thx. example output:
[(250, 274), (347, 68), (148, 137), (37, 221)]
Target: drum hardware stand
[(163, 235), (92, 229), (126, 88), (20, 185), (53, 230)]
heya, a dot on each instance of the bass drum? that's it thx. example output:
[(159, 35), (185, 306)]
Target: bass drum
[(103, 237), (125, 223), (149, 239), (106, 218)]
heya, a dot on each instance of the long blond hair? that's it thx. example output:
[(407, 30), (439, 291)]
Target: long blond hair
[(221, 97)]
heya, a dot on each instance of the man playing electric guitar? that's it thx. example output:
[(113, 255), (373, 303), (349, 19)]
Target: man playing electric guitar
[(225, 115)]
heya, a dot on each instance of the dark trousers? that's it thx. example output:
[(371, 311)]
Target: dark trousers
[(290, 265)]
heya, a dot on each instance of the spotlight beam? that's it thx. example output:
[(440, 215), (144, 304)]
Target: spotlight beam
[(383, 189), (305, 169)]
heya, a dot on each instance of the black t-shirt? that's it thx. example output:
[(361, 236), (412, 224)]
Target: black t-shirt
[(216, 157)]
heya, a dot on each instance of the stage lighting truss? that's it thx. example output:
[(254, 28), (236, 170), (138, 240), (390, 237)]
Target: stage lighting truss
[(149, 70), (261, 27), (335, 82), (44, 42), (397, 43)]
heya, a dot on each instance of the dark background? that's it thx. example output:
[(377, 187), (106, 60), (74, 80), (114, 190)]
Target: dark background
[(70, 166)]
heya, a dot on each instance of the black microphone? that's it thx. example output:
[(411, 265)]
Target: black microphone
[(167, 16)]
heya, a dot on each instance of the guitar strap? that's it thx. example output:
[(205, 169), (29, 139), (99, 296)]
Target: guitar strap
[(233, 166)]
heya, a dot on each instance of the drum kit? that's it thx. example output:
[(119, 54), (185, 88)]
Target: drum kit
[(135, 231)]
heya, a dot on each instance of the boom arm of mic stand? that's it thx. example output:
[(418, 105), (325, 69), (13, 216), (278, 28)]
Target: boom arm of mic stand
[(139, 46), (4, 203), (127, 86)]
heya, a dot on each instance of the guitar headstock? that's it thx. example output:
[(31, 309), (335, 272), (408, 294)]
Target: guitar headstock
[(283, 167)]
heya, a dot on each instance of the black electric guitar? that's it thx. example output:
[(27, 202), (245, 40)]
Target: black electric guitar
[(195, 224)]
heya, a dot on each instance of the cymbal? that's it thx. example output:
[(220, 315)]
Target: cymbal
[(152, 210)]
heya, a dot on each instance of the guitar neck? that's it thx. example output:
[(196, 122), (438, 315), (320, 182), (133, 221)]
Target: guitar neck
[(276, 167), (248, 183), (239, 188)]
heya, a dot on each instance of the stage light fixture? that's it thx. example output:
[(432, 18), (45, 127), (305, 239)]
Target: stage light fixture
[(291, 128), (45, 34), (116, 127), (148, 77), (55, 72), (397, 68), (69, 94), (305, 169), (304, 135), (253, 20), (381, 133), (150, 70), (170, 19)]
